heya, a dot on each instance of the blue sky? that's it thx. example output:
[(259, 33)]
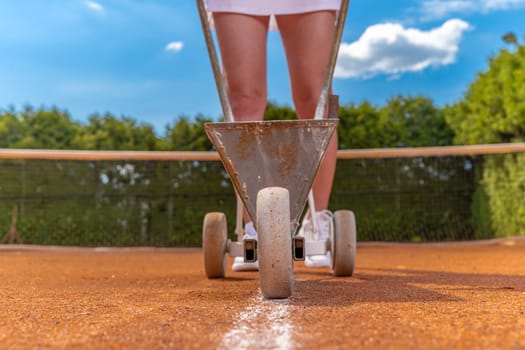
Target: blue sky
[(147, 59)]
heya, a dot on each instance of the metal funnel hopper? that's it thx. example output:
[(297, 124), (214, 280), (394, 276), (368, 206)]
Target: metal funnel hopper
[(286, 154)]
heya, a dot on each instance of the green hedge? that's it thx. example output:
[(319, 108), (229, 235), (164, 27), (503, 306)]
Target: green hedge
[(500, 201), (131, 203)]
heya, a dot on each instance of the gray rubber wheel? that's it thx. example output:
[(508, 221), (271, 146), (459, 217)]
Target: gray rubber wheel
[(214, 239), (343, 243), (274, 243)]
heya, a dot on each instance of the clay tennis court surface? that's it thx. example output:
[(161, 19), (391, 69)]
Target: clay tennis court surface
[(442, 296)]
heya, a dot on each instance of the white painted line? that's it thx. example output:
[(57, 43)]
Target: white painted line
[(264, 324)]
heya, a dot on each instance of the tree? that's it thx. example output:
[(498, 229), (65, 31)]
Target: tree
[(107, 132), (416, 122), (187, 136), (11, 129), (493, 110), (46, 128), (362, 127), (276, 112)]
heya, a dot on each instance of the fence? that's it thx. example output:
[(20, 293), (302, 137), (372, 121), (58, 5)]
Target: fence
[(93, 198)]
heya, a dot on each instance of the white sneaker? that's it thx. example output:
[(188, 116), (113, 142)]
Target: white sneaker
[(249, 230), (238, 261), (318, 260), (324, 226), (239, 265)]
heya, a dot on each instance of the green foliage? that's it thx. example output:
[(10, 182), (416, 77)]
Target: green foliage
[(416, 122), (402, 199), (42, 128), (493, 110), (276, 112), (48, 129), (402, 122), (163, 203), (118, 203), (188, 136), (11, 129), (481, 213), (504, 183), (110, 133), (123, 203), (362, 126)]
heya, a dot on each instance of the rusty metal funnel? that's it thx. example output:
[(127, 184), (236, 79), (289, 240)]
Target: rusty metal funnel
[(284, 153)]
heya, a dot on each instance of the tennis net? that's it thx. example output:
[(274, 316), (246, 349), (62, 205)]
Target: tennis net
[(105, 198)]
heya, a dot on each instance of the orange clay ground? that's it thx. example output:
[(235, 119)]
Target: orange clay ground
[(436, 296)]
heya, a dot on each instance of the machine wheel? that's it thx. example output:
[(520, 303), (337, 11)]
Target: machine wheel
[(343, 243), (214, 239), (274, 243)]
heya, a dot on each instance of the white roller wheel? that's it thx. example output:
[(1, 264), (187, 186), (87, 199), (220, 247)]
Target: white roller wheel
[(214, 240), (343, 243), (274, 243)]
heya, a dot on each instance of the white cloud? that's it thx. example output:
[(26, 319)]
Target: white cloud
[(391, 49), (174, 46), (438, 9), (95, 6)]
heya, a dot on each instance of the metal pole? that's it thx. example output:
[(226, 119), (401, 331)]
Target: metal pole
[(325, 90), (219, 78)]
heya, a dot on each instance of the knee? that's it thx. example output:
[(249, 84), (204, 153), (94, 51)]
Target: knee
[(247, 105), (305, 102)]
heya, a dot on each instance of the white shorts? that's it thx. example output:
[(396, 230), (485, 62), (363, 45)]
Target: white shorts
[(271, 7)]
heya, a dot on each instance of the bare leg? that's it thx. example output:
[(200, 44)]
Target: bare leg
[(242, 42), (307, 40)]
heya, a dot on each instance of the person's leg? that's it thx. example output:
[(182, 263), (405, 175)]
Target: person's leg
[(242, 42), (307, 40)]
